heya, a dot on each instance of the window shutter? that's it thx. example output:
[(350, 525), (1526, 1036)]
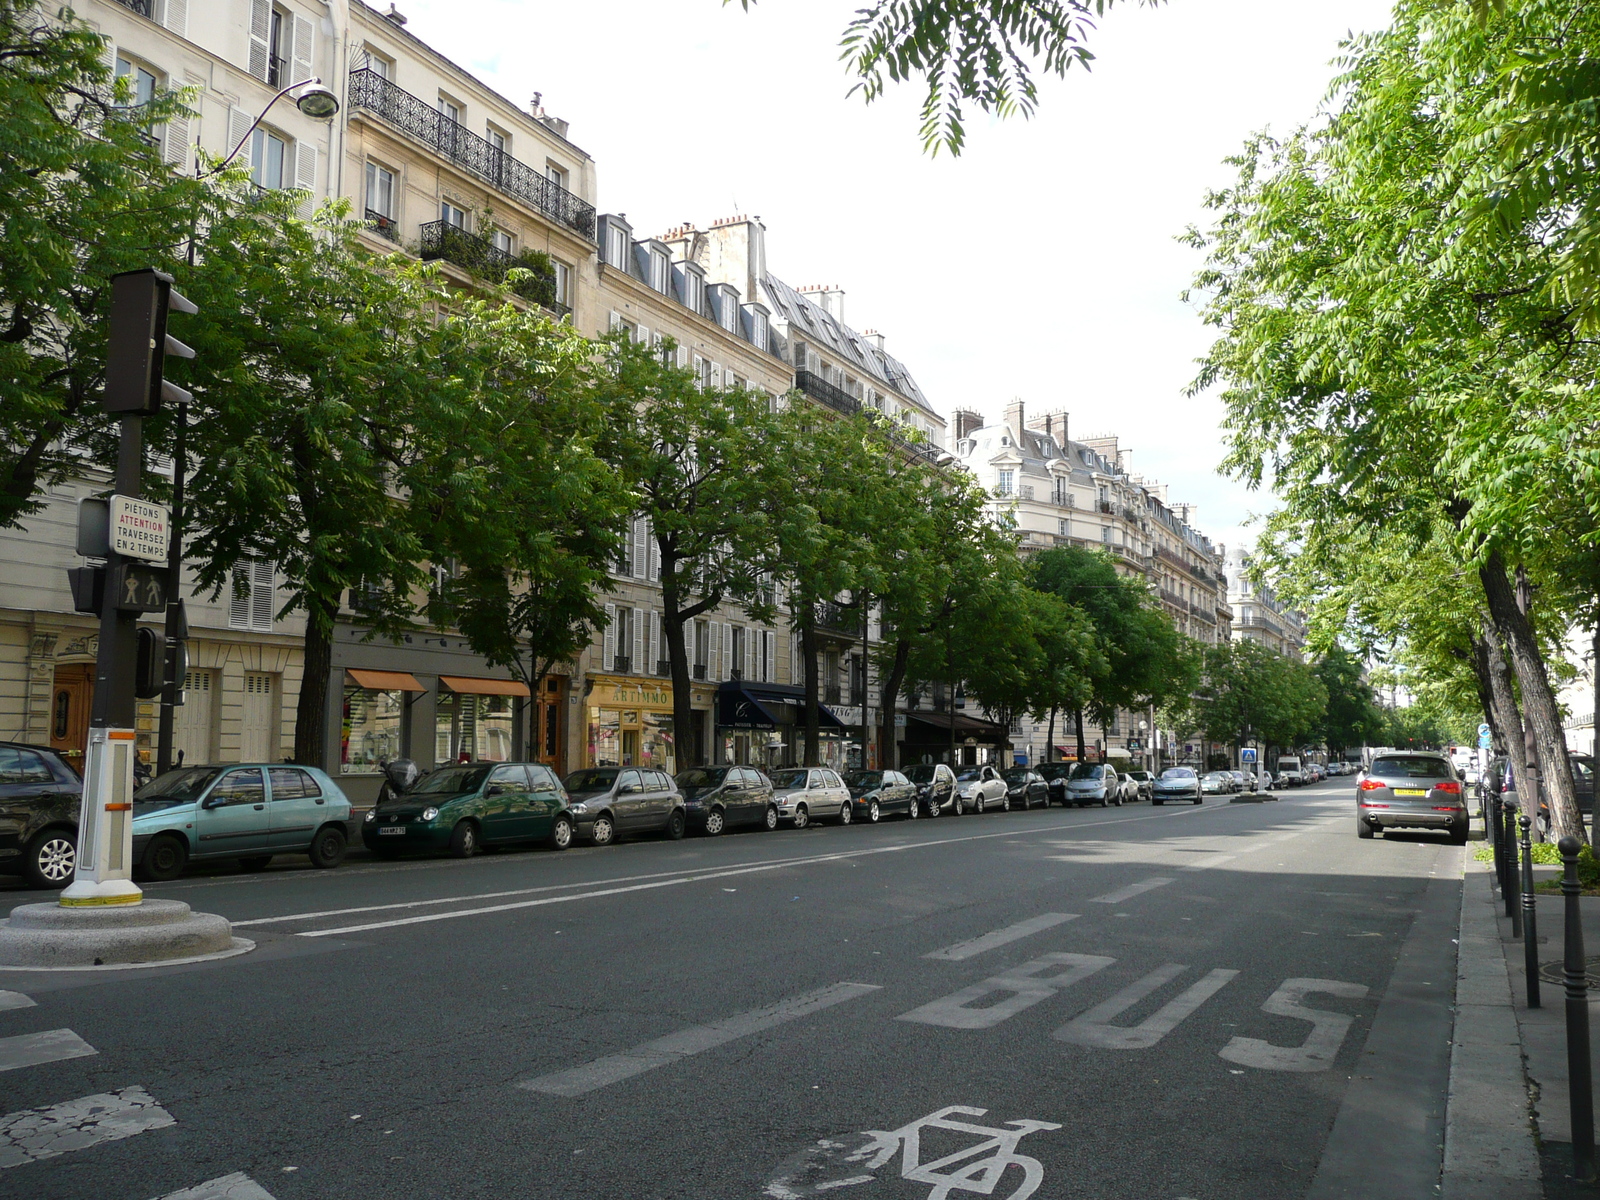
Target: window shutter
[(616, 322), (262, 606), (728, 664), (608, 652), (713, 651), (175, 143), (769, 642), (260, 30), (301, 54), (752, 651), (239, 123), (305, 176), (176, 17), (641, 548), (655, 554), (111, 59), (655, 639), (642, 336), (239, 601), (683, 357), (639, 616)]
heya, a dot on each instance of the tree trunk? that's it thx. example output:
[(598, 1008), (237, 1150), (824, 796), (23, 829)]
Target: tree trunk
[(1050, 738), (675, 618), (1538, 701), (311, 710), (887, 701), (866, 673), (1507, 719), (1077, 717), (1485, 686), (950, 704), (808, 657)]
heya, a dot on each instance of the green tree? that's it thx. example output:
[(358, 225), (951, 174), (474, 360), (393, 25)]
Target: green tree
[(1248, 691), (1352, 716)]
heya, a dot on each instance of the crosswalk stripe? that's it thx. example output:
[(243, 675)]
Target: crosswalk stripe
[(1132, 890), (51, 1045), (37, 1133), (14, 1000), (614, 1068), (237, 1186), (1001, 937)]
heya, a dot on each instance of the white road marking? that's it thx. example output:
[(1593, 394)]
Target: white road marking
[(33, 1049), (1094, 1027), (1024, 984), (614, 1068), (37, 1133), (1132, 890), (1001, 937), (1214, 861), (14, 1000), (237, 1186), (1321, 1047)]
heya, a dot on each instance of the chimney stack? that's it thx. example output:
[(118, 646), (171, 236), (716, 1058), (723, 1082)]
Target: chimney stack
[(394, 15), (1015, 418), (967, 423), (873, 336)]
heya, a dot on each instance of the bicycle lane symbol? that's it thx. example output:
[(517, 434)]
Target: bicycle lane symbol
[(975, 1170)]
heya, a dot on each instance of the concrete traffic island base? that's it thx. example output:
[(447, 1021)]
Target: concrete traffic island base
[(48, 936)]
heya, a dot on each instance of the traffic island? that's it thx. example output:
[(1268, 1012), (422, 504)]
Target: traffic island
[(46, 936)]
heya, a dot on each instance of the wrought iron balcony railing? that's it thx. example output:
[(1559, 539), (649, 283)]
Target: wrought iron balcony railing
[(473, 154), (483, 258), (384, 226), (831, 694), (622, 664), (145, 8), (821, 390), (700, 670), (664, 667)]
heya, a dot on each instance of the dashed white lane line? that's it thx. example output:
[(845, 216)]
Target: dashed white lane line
[(237, 1186), (614, 1068), (14, 1000), (1132, 890), (37, 1133), (1001, 937), (48, 1046)]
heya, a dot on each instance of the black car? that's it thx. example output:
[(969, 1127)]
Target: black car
[(718, 798), (1055, 778), (1025, 788), (1502, 774), (609, 802), (874, 793), (936, 786), (39, 799)]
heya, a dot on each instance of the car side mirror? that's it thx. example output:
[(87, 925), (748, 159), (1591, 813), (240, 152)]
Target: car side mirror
[(213, 802), (497, 789)]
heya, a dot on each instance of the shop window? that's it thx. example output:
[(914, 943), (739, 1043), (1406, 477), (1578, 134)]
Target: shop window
[(371, 730), (471, 728)]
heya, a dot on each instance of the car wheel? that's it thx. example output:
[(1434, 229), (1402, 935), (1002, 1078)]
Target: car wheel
[(164, 859), (715, 822), (801, 817), (256, 862), (561, 832), (328, 847), (1005, 804), (933, 807), (911, 810), (1105, 801), (846, 813), (958, 806), (772, 817), (604, 830), (873, 813), (677, 824), (50, 859), (464, 839), (1363, 830)]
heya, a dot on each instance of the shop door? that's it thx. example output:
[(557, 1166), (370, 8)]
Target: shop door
[(256, 741), (70, 702)]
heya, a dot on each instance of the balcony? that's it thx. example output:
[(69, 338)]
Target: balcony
[(832, 694), (384, 226), (145, 8), (1108, 508), (664, 667), (621, 664), (822, 391), (700, 671), (423, 123), (440, 239), (839, 618)]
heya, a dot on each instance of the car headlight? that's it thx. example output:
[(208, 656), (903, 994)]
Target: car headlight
[(372, 814), (581, 806), (429, 813)]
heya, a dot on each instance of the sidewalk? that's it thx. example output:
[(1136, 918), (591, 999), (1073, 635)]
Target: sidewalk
[(1507, 1132)]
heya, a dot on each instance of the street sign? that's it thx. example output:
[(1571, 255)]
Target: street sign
[(1483, 729), (1133, 743), (139, 588), (1484, 742), (1247, 754), (139, 529)]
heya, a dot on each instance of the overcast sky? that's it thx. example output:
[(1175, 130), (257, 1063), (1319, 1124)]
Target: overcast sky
[(1042, 264)]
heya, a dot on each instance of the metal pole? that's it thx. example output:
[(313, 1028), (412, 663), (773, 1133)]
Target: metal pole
[(1495, 830), (1513, 892), (1575, 978), (176, 632), (1530, 919)]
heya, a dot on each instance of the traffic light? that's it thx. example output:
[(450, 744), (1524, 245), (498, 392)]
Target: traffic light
[(147, 669), (140, 301)]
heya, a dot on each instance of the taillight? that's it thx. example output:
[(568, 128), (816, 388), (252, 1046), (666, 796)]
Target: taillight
[(1450, 786), (1371, 785), (1447, 808), (1369, 804)]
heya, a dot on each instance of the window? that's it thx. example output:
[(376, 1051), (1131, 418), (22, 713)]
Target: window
[(240, 787), (660, 271), (730, 311), (23, 767), (291, 783), (380, 66), (380, 191), (498, 140), (267, 152), (1105, 534), (278, 49), (503, 241), (451, 215), (702, 371), (702, 648), (693, 291), (617, 247), (563, 283), (1065, 526), (253, 605), (623, 630), (555, 175), (450, 110), (1007, 483), (758, 330), (739, 634), (372, 721), (141, 81)]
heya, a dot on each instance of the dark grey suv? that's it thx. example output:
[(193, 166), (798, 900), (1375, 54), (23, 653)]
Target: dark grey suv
[(1409, 789), (610, 802), (721, 798), (39, 799)]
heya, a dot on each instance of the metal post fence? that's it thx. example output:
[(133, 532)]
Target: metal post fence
[(1513, 891), (1530, 919), (1495, 831), (1575, 978)]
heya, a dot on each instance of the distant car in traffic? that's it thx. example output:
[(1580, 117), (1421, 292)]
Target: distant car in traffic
[(873, 794), (1093, 783), (977, 788), (720, 798), (1290, 772), (1411, 790), (1127, 788), (1145, 781), (1217, 783), (936, 786), (1177, 783), (1243, 781), (40, 795), (807, 794), (1025, 788), (612, 802)]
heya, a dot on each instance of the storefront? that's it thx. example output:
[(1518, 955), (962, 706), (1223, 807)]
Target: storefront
[(763, 724), (630, 724), (927, 739)]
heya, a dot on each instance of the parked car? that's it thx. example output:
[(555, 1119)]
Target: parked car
[(1177, 783), (466, 806), (1055, 776), (1145, 781), (1243, 781), (718, 798), (245, 811), (1408, 789), (1127, 789), (1217, 783), (605, 803), (1093, 783), (875, 794), (807, 794), (1290, 772), (39, 799), (977, 788), (1025, 787), (1502, 774), (936, 786)]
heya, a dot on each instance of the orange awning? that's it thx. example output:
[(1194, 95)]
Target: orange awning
[(483, 687), (385, 681)]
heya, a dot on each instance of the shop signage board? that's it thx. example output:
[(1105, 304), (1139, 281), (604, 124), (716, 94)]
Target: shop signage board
[(139, 529)]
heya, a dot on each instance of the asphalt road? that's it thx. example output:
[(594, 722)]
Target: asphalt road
[(1124, 1003)]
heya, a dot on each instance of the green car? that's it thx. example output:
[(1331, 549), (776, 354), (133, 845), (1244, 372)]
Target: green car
[(464, 808)]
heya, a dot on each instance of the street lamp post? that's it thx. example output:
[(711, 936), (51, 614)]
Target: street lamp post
[(316, 101)]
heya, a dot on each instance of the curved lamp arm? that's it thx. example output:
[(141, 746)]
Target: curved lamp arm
[(234, 153)]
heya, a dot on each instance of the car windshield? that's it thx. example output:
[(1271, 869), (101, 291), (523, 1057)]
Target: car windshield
[(1178, 774), (788, 780), (182, 786), (702, 777), (1412, 768), (921, 773), (1141, 776), (863, 779), (450, 781), (1017, 775), (1055, 770), (1086, 771), (969, 776), (595, 779)]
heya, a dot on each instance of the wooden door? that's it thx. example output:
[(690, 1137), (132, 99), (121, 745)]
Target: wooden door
[(70, 701)]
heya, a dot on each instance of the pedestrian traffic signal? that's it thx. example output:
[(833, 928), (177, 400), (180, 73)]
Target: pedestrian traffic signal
[(140, 301), (148, 666)]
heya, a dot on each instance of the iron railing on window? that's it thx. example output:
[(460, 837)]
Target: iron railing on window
[(664, 667), (473, 154), (839, 400), (145, 8), (383, 225), (483, 258), (622, 664)]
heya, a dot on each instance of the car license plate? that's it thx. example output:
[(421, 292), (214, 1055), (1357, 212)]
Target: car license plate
[(1410, 791), (392, 831)]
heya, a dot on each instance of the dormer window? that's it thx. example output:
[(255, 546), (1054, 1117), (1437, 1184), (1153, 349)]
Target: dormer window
[(758, 330), (694, 291), (617, 247), (660, 271), (1007, 484)]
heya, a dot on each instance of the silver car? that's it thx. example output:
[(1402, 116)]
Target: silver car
[(807, 794), (1411, 789), (1093, 783), (978, 788)]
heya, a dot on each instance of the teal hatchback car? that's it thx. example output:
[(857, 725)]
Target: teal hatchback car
[(245, 811), (464, 808)]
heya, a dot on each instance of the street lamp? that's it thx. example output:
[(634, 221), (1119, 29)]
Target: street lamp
[(318, 102)]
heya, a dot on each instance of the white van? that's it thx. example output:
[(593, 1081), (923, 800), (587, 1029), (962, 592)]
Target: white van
[(1290, 772)]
